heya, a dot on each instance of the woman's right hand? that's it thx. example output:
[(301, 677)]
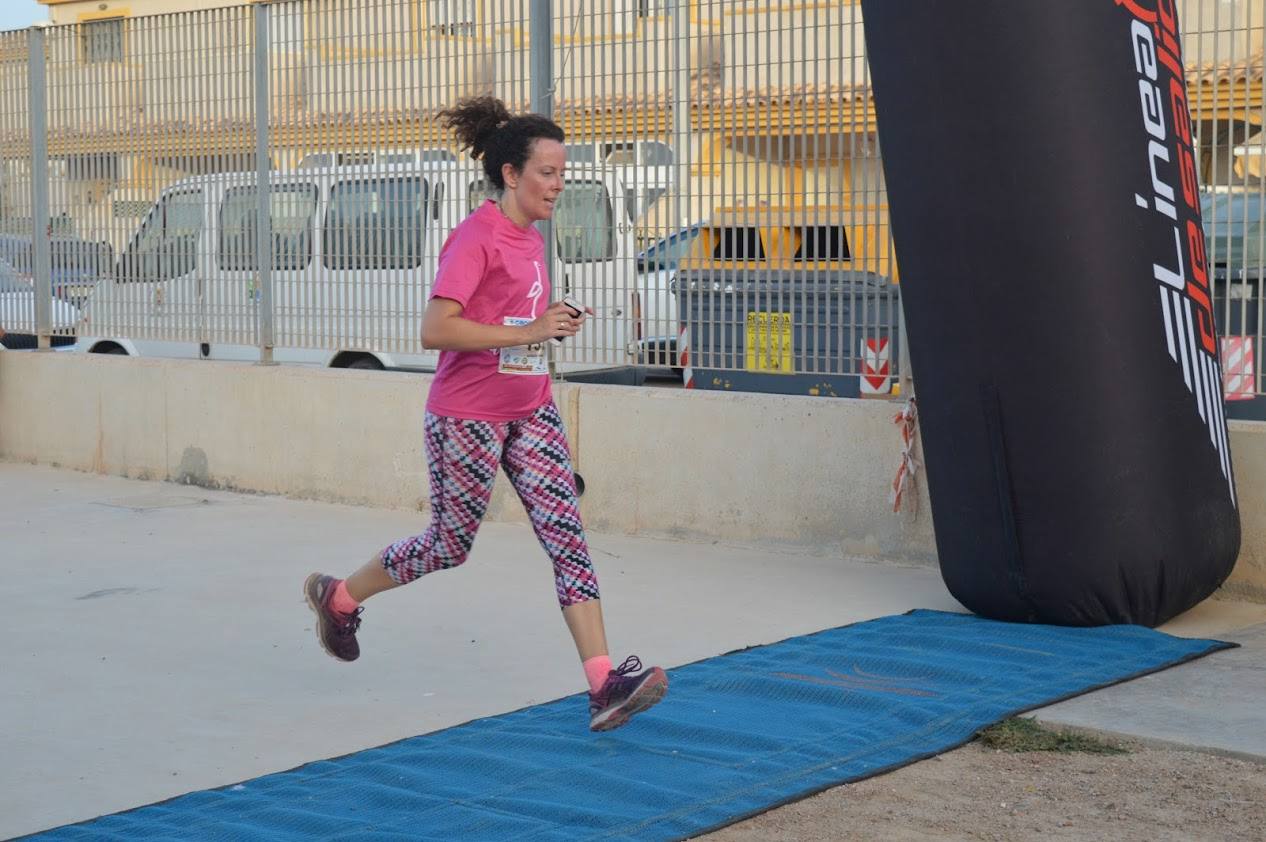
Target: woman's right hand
[(556, 321)]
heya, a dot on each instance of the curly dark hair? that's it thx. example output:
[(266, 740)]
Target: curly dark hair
[(493, 135)]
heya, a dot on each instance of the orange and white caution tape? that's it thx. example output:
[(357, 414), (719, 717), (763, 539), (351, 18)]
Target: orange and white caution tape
[(1238, 380), (683, 358), (907, 420)]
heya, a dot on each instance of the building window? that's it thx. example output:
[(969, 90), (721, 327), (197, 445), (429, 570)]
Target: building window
[(451, 17), (103, 40)]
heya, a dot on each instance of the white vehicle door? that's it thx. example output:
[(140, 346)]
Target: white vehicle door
[(594, 244), (155, 294), (375, 261), (232, 296)]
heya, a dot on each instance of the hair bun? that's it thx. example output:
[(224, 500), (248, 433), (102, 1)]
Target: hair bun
[(475, 121), (494, 136)]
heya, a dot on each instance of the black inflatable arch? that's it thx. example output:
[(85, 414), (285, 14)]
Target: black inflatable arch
[(1046, 216)]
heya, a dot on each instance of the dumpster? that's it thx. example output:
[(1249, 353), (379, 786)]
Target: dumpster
[(1235, 231), (773, 300)]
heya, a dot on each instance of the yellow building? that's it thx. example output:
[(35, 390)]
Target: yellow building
[(143, 92), (160, 97)]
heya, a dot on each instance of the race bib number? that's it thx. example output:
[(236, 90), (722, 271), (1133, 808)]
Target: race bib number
[(523, 359)]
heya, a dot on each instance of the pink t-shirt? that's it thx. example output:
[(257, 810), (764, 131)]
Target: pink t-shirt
[(496, 271)]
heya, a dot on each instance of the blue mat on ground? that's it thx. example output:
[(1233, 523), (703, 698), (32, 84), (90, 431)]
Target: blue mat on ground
[(737, 735)]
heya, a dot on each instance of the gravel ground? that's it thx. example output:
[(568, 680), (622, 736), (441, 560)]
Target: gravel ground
[(978, 793)]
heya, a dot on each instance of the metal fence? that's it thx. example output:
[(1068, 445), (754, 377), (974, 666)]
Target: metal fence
[(1223, 44), (270, 182)]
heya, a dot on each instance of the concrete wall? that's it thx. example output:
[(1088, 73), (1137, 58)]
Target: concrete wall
[(1248, 454), (706, 466), (700, 465)]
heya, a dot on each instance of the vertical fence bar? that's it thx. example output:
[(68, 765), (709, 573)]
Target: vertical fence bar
[(541, 73), (41, 252), (263, 193), (904, 371), (1255, 240), (681, 110)]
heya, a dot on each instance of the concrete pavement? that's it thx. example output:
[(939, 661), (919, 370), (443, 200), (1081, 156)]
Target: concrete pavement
[(1215, 704), (158, 642)]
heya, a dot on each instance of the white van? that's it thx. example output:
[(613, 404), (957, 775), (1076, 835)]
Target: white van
[(355, 251), (645, 167)]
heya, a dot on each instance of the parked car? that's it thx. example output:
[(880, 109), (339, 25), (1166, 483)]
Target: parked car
[(355, 250), (664, 253), (655, 309), (17, 313), (77, 264), (1234, 231)]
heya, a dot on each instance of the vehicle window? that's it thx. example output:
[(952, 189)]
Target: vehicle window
[(437, 200), (584, 222), (10, 281), (668, 252), (656, 153), (17, 252), (291, 209), (581, 153), (375, 224), (67, 256), (477, 193), (81, 257), (619, 153), (166, 246), (1235, 227)]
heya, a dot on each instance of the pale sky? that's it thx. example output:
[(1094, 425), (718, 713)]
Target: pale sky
[(19, 14)]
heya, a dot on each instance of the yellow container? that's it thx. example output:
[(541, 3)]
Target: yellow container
[(803, 238)]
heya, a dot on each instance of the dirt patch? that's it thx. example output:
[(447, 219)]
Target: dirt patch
[(982, 793)]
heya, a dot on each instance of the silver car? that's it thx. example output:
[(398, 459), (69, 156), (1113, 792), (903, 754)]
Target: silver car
[(17, 313)]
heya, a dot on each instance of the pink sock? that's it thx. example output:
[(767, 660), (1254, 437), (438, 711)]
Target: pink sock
[(596, 670), (342, 601)]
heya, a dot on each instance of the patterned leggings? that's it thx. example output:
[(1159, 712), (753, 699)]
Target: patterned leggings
[(463, 456)]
